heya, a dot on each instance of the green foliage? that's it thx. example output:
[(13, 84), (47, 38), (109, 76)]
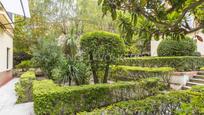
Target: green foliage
[(168, 18), (137, 73), (70, 71), (101, 49), (135, 33), (47, 55), (202, 68), (24, 87), (183, 47), (25, 65), (180, 63), (52, 99), (173, 103)]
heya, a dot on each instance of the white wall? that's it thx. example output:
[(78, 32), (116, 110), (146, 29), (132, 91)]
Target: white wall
[(6, 41), (154, 46)]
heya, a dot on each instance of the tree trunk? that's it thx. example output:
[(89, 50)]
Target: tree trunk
[(70, 81), (105, 79), (93, 69)]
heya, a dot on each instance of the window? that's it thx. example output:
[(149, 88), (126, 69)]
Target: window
[(7, 58)]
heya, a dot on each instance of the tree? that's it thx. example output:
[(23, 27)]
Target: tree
[(135, 33), (47, 55), (169, 17), (101, 49)]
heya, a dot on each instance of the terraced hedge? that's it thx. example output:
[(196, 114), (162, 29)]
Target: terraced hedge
[(126, 73), (180, 63), (24, 87), (51, 99), (173, 103)]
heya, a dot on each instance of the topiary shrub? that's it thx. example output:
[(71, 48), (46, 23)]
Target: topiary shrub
[(170, 47), (51, 99), (24, 87), (101, 49)]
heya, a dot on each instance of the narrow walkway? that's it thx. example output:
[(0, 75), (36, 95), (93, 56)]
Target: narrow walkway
[(8, 99)]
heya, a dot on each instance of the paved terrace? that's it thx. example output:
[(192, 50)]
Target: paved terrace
[(8, 99)]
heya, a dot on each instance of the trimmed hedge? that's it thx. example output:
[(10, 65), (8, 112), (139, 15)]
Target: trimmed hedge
[(135, 73), (173, 103), (180, 63), (50, 98), (24, 87)]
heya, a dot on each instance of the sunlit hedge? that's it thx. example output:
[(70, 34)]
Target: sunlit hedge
[(180, 63), (173, 103), (24, 87), (127, 73), (50, 98)]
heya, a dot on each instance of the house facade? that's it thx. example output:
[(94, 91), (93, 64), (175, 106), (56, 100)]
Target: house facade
[(9, 8), (6, 45)]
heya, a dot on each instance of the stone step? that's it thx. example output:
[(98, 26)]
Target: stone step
[(193, 83), (196, 80), (186, 87), (199, 76)]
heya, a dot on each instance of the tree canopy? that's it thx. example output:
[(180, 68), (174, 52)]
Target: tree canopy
[(169, 17)]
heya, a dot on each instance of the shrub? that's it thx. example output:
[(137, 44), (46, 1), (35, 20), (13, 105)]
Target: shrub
[(196, 54), (72, 70), (101, 49), (136, 73), (170, 47), (173, 103), (24, 87), (47, 55), (202, 68), (180, 63), (18, 57), (52, 99), (25, 65)]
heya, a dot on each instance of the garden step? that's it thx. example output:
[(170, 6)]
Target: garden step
[(193, 83), (196, 80), (186, 87), (199, 76)]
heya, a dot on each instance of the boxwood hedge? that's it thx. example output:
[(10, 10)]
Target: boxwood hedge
[(135, 73), (180, 63), (24, 87), (173, 103), (51, 99)]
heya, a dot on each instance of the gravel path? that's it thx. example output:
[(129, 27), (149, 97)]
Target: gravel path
[(8, 99)]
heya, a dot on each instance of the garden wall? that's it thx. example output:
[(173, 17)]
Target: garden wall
[(50, 98)]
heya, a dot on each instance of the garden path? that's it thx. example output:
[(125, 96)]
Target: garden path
[(8, 99)]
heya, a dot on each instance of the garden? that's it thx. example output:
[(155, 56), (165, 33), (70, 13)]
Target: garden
[(94, 57)]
